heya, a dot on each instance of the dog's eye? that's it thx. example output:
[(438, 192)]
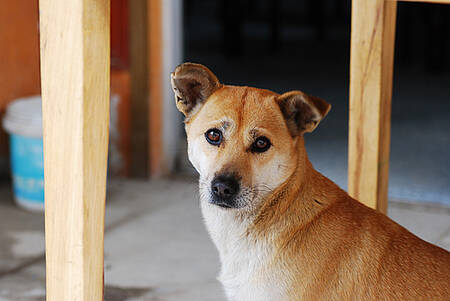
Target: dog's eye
[(213, 136), (261, 145)]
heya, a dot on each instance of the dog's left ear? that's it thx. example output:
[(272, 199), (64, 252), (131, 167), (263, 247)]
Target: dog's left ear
[(301, 111), (192, 85)]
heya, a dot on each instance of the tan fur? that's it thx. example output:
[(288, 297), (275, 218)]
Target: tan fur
[(299, 237)]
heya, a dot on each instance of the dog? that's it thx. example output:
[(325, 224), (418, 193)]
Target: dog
[(283, 230)]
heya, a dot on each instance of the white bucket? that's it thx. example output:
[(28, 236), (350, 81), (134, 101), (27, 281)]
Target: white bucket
[(23, 121)]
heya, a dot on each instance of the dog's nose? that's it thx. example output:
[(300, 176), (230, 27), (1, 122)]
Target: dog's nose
[(224, 189)]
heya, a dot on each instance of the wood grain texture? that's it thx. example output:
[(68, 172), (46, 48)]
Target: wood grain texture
[(371, 69), (75, 60), (155, 85)]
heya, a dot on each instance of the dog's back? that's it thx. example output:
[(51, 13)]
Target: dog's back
[(360, 254), (347, 251)]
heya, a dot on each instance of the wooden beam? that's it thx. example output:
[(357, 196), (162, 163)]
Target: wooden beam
[(371, 68), (139, 88), (75, 60), (426, 1), (155, 85)]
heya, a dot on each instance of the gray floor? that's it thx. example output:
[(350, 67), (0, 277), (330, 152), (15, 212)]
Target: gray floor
[(156, 247)]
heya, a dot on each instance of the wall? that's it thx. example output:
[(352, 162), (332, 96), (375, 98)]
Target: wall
[(19, 58)]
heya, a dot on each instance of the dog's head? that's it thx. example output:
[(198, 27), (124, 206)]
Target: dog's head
[(243, 141)]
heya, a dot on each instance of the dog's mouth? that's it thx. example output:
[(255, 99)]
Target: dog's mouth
[(221, 204)]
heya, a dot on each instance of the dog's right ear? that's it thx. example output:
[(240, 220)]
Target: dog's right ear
[(192, 85)]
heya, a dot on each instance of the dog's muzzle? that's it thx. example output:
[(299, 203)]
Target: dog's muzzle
[(224, 189)]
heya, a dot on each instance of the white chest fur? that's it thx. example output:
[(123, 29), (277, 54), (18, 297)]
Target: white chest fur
[(246, 273)]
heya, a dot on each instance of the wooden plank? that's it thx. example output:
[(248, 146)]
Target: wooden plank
[(139, 88), (426, 1), (172, 49), (75, 48), (371, 68), (155, 85)]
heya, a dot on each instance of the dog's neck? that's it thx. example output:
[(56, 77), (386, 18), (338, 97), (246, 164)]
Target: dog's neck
[(293, 204), (245, 239), (298, 200)]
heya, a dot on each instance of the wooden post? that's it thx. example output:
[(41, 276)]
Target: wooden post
[(371, 68), (164, 54), (139, 88), (155, 85), (75, 64), (427, 1)]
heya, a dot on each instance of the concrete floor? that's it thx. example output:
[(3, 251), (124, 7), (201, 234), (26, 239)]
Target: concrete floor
[(156, 247)]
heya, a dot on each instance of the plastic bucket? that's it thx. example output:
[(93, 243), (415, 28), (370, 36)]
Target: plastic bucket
[(23, 122)]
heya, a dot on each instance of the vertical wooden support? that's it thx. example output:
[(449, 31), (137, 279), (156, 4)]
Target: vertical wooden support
[(165, 46), (371, 68), (75, 60), (428, 1), (155, 62), (139, 87)]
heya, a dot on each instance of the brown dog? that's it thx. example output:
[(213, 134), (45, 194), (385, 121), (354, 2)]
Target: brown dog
[(283, 230)]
